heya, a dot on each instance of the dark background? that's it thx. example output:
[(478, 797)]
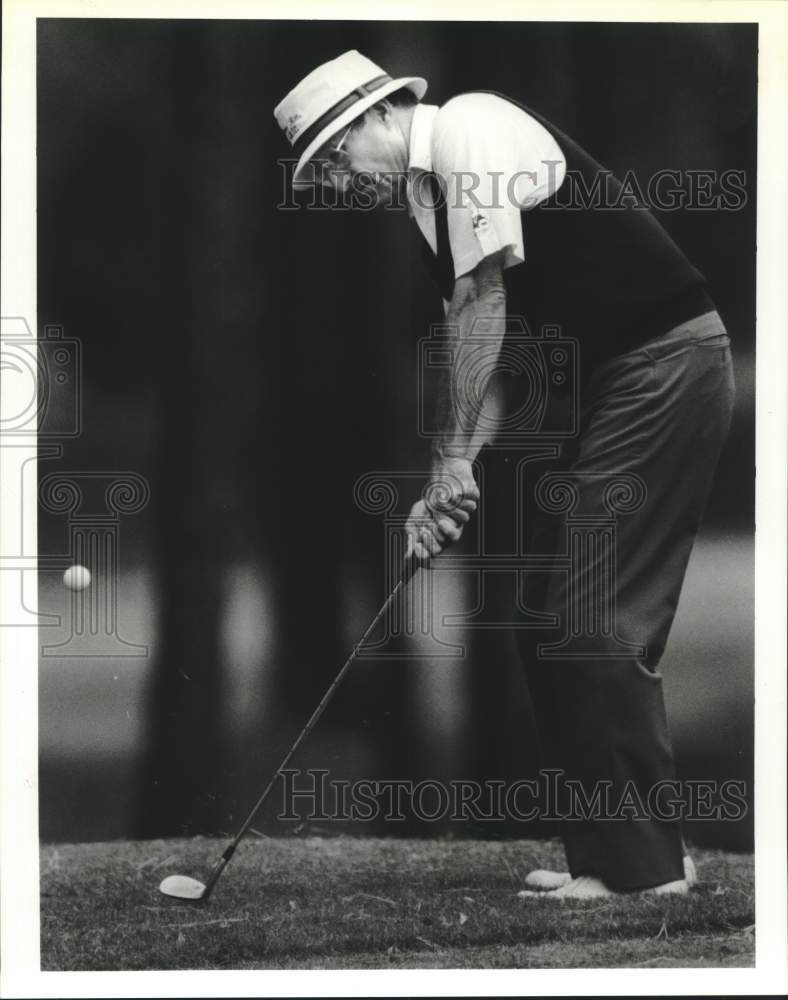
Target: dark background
[(251, 364)]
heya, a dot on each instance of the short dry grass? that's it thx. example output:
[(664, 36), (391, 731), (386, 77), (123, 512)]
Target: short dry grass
[(345, 903)]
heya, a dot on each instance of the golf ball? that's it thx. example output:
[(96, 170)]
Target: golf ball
[(77, 577)]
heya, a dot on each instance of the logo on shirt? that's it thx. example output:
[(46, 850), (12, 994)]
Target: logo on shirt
[(482, 226), (479, 221)]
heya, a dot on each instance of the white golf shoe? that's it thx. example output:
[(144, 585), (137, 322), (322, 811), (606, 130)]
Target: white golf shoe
[(588, 887), (543, 880), (584, 887), (561, 885)]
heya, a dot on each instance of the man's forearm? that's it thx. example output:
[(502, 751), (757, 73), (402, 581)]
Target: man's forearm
[(460, 421)]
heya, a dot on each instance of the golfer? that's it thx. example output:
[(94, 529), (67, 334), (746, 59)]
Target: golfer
[(518, 220)]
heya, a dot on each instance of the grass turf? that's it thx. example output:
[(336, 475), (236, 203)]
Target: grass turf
[(347, 903)]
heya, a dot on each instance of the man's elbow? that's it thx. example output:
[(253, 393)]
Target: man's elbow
[(484, 284)]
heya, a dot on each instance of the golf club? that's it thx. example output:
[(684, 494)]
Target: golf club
[(184, 887)]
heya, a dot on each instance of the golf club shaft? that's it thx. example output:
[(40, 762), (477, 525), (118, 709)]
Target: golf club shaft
[(409, 567)]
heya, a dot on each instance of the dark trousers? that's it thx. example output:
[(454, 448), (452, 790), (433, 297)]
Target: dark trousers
[(654, 420)]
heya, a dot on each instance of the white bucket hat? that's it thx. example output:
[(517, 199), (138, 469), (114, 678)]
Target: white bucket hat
[(333, 95)]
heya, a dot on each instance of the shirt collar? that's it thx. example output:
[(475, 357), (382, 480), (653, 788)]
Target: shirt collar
[(420, 137)]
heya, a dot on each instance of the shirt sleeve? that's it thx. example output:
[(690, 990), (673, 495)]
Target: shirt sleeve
[(495, 160)]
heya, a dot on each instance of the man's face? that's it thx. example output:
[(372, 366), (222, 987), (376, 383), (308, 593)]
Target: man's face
[(371, 157)]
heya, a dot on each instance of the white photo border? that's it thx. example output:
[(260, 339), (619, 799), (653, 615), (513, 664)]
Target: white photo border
[(19, 845)]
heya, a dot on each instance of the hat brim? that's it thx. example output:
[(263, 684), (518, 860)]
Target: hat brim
[(415, 83)]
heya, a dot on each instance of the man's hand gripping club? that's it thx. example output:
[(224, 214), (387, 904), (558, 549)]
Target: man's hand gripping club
[(438, 519)]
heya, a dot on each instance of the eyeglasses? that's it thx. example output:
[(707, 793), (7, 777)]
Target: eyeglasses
[(332, 176), (341, 143)]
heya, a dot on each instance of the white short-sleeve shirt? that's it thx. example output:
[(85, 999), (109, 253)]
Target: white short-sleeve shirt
[(495, 160)]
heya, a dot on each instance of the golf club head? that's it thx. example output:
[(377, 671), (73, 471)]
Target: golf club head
[(182, 887)]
